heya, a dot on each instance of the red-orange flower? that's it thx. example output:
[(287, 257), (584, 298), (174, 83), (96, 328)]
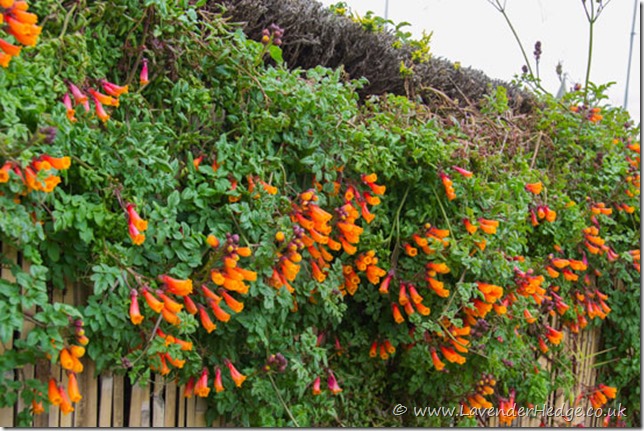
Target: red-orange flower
[(135, 313), (237, 377), (54, 396), (72, 388), (315, 390), (219, 386), (201, 388), (65, 404), (333, 384), (176, 286), (152, 302), (438, 364), (534, 188)]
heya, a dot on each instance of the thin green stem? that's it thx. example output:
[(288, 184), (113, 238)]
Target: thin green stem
[(288, 411), (440, 204), (397, 217), (516, 36), (590, 58)]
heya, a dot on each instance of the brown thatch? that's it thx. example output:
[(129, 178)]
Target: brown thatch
[(316, 36)]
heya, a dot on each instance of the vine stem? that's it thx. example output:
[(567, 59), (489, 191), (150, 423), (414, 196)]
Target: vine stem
[(397, 217), (282, 401), (590, 57)]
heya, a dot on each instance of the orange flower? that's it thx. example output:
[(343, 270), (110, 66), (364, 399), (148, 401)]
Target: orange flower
[(373, 351), (534, 188), (552, 272), (422, 309), (415, 297), (201, 388), (231, 302), (528, 316), (398, 317), (318, 275), (384, 286), (191, 307), (447, 183), (219, 386), (113, 89), (175, 286), (438, 287), (438, 364), (488, 226), (608, 391), (189, 388), (403, 299), (205, 320), (560, 263), (315, 390), (77, 351), (553, 335), (100, 110), (37, 407), (102, 98), (410, 250), (65, 404), (135, 313), (212, 241), (237, 377), (469, 226), (72, 389), (177, 363), (134, 217), (152, 302), (135, 235), (170, 317), (9, 49), (66, 360), (452, 356), (172, 305), (54, 396), (220, 314)]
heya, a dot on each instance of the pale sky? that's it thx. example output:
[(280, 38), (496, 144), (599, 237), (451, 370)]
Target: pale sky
[(476, 34)]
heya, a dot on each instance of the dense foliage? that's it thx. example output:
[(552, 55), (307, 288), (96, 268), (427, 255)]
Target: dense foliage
[(352, 256)]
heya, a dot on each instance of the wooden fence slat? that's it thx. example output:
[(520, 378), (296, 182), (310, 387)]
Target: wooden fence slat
[(66, 420), (182, 408), (145, 407), (28, 370), (118, 402), (200, 413), (190, 412), (170, 411), (158, 403), (105, 409), (87, 408), (135, 406), (7, 413), (43, 370)]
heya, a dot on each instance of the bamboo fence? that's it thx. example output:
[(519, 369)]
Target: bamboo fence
[(110, 400)]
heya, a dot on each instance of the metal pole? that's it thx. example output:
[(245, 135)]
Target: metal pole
[(630, 55), (387, 9)]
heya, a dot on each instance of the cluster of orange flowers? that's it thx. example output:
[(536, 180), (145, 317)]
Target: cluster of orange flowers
[(596, 244), (635, 254), (529, 285), (593, 114), (600, 395), (70, 361), (200, 387), (542, 211), (136, 225), (21, 25), (100, 100), (491, 293), (507, 409), (434, 268), (477, 400), (36, 176), (385, 349), (448, 184), (566, 267), (366, 262)]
